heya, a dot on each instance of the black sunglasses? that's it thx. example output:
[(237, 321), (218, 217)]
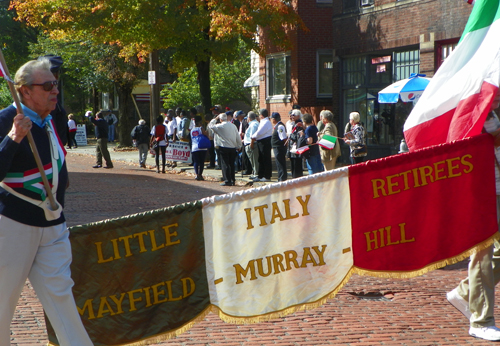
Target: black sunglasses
[(48, 86)]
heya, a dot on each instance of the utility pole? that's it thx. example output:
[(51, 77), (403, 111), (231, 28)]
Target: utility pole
[(154, 87)]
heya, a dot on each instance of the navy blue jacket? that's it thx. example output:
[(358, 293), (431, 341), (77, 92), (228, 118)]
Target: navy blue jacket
[(101, 127), (18, 158)]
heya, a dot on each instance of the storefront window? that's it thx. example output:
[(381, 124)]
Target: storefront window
[(354, 71), (380, 69), (406, 63), (363, 78), (354, 101)]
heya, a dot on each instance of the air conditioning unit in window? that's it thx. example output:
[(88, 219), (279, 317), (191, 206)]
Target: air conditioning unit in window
[(366, 2)]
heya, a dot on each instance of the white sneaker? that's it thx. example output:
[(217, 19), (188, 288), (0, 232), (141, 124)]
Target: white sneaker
[(257, 179), (459, 303), (491, 333), (264, 179)]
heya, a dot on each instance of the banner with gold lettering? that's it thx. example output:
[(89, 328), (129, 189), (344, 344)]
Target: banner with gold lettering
[(266, 252), (278, 248), (420, 211), (140, 277)]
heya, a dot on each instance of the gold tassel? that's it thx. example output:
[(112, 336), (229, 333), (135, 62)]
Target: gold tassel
[(165, 336), (313, 305), (282, 313), (433, 266)]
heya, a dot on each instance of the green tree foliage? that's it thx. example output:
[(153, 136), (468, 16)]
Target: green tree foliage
[(15, 38), (200, 30), (5, 97), (184, 92), (88, 67), (226, 79)]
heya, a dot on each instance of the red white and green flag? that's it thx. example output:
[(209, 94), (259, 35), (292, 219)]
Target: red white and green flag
[(2, 72), (459, 96), (327, 142), (302, 150)]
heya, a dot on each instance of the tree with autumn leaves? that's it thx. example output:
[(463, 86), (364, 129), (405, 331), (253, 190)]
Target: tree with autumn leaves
[(199, 31)]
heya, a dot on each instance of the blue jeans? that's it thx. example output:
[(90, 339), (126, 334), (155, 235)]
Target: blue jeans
[(143, 152), (314, 164), (111, 133)]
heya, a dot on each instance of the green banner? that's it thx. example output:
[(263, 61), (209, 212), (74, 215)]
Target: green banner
[(141, 276)]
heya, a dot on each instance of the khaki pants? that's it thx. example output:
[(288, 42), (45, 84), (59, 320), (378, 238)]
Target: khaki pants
[(101, 151), (253, 156), (479, 288), (329, 165), (42, 254)]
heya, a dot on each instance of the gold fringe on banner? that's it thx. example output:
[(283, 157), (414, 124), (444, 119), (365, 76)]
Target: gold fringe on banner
[(164, 336), (282, 313), (433, 266), (312, 305)]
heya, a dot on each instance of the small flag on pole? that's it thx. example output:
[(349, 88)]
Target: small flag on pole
[(4, 74), (303, 149), (327, 142)]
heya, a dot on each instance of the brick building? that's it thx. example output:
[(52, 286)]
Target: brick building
[(377, 43), (303, 75), (354, 49)]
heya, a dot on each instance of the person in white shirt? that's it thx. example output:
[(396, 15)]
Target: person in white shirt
[(278, 143), (229, 141), (262, 137), (252, 153), (72, 131), (215, 155), (178, 119), (171, 124), (295, 114)]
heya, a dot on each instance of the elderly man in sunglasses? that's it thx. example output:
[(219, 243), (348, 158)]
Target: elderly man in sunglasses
[(34, 240)]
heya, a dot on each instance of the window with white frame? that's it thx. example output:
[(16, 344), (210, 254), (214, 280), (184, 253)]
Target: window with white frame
[(324, 72), (279, 81)]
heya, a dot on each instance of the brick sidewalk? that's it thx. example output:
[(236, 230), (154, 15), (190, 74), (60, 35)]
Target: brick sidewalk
[(367, 311)]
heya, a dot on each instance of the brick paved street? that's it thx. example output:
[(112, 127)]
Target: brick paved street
[(367, 311)]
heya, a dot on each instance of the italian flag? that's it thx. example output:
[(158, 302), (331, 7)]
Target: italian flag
[(327, 142), (302, 150), (459, 96)]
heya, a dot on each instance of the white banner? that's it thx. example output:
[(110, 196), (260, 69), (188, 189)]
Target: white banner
[(293, 238), (81, 135), (178, 151)]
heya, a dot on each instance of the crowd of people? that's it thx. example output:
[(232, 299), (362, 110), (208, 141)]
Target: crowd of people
[(235, 141)]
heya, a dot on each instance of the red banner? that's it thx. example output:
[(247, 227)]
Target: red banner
[(414, 210)]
